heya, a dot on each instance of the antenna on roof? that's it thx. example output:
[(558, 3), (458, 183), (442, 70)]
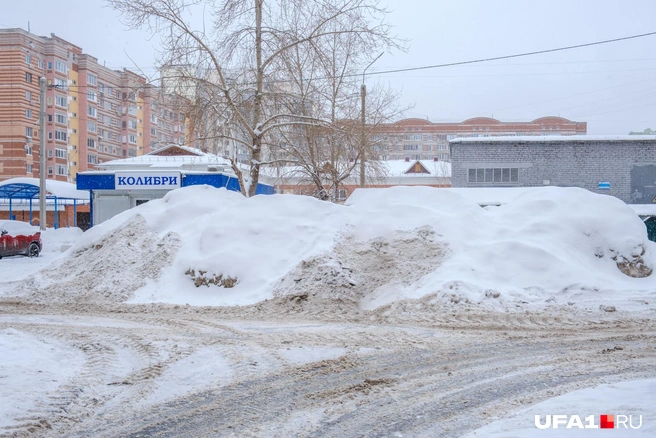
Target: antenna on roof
[(28, 27)]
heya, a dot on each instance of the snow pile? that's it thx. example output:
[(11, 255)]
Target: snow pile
[(545, 242), (368, 272), (206, 246), (59, 240), (109, 270)]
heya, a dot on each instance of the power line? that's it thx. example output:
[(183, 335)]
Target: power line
[(573, 95), (474, 61), (518, 55)]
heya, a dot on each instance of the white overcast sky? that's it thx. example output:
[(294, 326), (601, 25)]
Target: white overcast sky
[(612, 87)]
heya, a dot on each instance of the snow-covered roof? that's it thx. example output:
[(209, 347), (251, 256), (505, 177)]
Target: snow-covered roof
[(60, 189), (554, 138), (395, 168), (401, 167), (192, 151), (164, 161)]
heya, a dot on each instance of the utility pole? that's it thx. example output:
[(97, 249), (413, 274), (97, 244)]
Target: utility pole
[(363, 140), (42, 155), (363, 143)]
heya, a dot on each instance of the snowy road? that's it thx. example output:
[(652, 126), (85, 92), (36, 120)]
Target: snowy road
[(164, 371)]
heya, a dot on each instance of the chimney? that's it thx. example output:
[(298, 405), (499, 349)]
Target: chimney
[(407, 159), (434, 158)]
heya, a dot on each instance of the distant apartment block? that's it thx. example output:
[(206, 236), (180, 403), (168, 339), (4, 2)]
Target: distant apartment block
[(93, 114), (418, 139)]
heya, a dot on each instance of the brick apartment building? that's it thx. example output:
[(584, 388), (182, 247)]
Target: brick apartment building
[(93, 114), (418, 139)]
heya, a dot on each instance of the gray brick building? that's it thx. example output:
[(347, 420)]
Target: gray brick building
[(621, 166)]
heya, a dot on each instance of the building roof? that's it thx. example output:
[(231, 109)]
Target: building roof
[(402, 168), (190, 162), (26, 188), (553, 138), (176, 149)]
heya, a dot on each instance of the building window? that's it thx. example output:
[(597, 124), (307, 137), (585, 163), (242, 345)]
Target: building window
[(29, 168), (61, 67), (92, 96), (133, 124), (28, 58), (60, 118), (493, 175), (40, 64), (28, 113), (28, 132), (132, 110), (91, 126), (28, 77), (410, 147), (91, 143), (28, 149), (91, 111), (61, 170), (60, 135), (28, 95), (341, 195), (61, 84), (49, 65), (60, 101), (49, 170), (91, 79), (60, 153), (92, 159), (132, 138)]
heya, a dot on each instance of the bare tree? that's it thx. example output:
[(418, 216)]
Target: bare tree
[(326, 87), (237, 48)]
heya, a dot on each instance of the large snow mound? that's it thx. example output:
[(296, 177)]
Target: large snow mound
[(205, 246)]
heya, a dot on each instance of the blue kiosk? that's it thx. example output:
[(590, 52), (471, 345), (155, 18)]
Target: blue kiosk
[(127, 183)]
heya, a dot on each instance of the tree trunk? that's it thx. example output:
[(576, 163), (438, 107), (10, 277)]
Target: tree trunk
[(255, 166)]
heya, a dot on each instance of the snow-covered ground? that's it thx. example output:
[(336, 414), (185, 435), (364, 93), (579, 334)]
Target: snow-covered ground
[(31, 370), (632, 398), (364, 297)]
